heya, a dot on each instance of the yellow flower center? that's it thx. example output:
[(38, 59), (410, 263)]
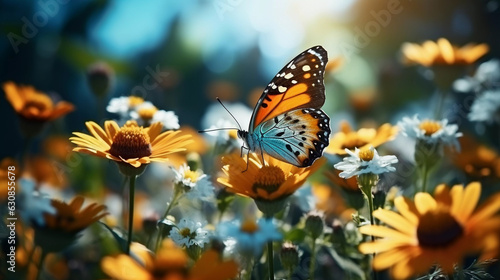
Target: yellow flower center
[(191, 175), (131, 142), (135, 100), (37, 103), (269, 178), (366, 154), (249, 226), (430, 127), (438, 228), (147, 113)]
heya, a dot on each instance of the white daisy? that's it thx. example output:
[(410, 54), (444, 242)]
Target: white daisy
[(196, 184), (365, 161), (168, 118), (250, 236), (123, 105), (189, 233), (486, 108), (430, 131)]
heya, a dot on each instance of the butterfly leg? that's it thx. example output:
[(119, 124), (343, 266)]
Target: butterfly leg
[(241, 155)]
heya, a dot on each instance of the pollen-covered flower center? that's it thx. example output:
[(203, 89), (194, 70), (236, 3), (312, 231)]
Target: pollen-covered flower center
[(438, 228), (191, 176), (249, 226), (366, 154), (429, 127), (147, 113), (269, 178), (37, 103), (131, 142), (135, 100), (352, 141)]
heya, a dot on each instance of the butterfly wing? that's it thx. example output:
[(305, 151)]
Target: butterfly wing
[(297, 137), (298, 85)]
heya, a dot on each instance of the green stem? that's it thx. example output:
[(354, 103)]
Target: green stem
[(442, 97), (270, 259), (177, 194), (313, 260), (40, 266), (131, 212), (369, 197), (425, 173), (248, 275)]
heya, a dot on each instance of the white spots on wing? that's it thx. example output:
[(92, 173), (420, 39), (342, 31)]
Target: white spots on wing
[(288, 76), (317, 66), (293, 66), (281, 89), (294, 82), (313, 84), (306, 68), (314, 74), (274, 86)]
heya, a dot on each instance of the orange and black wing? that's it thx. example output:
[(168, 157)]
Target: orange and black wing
[(298, 85)]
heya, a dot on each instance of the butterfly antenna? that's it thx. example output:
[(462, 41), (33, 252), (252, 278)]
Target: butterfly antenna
[(216, 129), (239, 126)]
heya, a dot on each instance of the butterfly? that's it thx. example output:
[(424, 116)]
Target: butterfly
[(287, 122)]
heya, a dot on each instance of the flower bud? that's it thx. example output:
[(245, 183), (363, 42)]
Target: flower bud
[(100, 78), (315, 224), (289, 256)]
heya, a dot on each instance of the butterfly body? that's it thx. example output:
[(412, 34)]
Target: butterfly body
[(287, 122)]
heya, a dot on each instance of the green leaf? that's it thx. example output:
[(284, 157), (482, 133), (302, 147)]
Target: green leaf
[(295, 235)]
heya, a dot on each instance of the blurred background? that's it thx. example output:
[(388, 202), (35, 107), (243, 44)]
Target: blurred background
[(182, 54)]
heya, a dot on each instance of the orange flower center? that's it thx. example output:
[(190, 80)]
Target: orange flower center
[(352, 141), (366, 154), (37, 103), (135, 100), (249, 226), (131, 142), (147, 113), (269, 178), (430, 127), (438, 228)]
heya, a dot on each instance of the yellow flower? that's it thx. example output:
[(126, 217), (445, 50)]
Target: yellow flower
[(130, 144), (442, 52), (439, 230), (61, 229), (70, 218), (361, 139), (34, 105), (477, 160), (273, 181), (170, 263)]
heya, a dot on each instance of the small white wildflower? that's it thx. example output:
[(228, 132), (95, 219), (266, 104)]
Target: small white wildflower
[(189, 233), (486, 108), (430, 131), (147, 113), (123, 105), (196, 184), (168, 118), (368, 162)]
